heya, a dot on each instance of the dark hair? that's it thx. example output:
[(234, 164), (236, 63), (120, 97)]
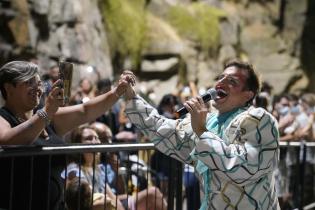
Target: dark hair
[(76, 138), (16, 71), (76, 134), (78, 189), (261, 101), (103, 84), (252, 82), (167, 100), (266, 87)]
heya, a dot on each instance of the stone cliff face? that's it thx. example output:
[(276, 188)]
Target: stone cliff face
[(267, 33), (307, 54), (49, 30)]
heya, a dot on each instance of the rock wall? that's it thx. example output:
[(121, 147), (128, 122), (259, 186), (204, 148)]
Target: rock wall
[(49, 30), (267, 33)]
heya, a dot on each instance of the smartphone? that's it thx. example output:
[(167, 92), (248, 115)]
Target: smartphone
[(65, 75)]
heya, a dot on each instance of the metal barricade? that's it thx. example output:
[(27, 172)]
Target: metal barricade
[(303, 182), (13, 155), (174, 196)]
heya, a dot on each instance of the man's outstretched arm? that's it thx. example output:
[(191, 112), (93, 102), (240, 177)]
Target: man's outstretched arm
[(172, 137)]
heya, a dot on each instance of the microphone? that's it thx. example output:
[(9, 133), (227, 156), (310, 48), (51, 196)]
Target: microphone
[(210, 94)]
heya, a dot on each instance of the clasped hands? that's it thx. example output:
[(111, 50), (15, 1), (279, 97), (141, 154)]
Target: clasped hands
[(125, 85), (195, 106)]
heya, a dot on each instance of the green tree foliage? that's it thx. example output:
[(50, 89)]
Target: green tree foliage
[(197, 22), (126, 25)]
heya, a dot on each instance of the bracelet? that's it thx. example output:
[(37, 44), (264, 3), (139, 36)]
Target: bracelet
[(41, 113)]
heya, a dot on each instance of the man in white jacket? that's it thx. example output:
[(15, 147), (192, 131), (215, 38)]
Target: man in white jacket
[(234, 150)]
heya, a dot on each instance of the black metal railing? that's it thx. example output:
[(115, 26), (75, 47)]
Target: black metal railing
[(17, 153), (174, 193), (301, 179)]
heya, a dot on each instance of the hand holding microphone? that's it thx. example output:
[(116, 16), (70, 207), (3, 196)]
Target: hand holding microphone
[(210, 94)]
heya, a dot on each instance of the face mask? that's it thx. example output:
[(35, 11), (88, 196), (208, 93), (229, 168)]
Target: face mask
[(295, 109), (311, 110), (284, 110)]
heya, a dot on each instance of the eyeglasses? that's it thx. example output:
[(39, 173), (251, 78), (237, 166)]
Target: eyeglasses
[(34, 83), (230, 80)]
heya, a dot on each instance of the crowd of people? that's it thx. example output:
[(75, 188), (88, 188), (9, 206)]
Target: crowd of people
[(295, 115), (22, 89), (230, 147)]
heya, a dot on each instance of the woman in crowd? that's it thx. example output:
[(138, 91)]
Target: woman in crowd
[(24, 183), (103, 175), (84, 93)]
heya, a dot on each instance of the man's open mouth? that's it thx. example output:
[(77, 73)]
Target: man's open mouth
[(221, 94)]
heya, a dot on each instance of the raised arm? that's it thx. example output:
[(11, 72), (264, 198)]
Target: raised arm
[(67, 118), (26, 131), (172, 137)]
